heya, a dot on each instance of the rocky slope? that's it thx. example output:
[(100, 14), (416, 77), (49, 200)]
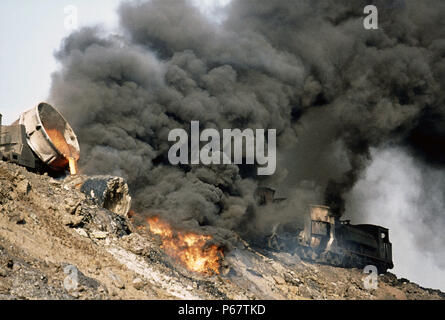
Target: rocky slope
[(56, 244)]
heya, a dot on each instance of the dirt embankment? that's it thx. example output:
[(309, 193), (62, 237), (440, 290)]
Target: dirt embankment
[(56, 244)]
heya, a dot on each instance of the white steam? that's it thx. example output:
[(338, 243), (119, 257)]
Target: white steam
[(401, 194)]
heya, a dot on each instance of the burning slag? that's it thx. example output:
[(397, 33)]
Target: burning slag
[(211, 152)]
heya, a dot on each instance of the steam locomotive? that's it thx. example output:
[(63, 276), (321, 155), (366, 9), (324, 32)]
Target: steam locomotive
[(327, 239)]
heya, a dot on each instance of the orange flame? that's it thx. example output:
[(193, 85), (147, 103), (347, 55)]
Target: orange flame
[(189, 248)]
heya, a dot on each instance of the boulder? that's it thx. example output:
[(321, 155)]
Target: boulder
[(108, 192)]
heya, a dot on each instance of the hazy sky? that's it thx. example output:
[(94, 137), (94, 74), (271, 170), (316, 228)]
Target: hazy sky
[(30, 32)]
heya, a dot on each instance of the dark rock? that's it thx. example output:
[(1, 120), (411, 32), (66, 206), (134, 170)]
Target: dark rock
[(108, 192)]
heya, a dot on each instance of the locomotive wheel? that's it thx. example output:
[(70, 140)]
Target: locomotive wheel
[(336, 260), (382, 268), (303, 253)]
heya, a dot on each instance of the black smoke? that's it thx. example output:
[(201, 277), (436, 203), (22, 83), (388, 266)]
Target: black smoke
[(306, 68)]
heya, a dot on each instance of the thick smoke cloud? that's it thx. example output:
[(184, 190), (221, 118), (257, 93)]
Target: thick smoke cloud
[(306, 68)]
